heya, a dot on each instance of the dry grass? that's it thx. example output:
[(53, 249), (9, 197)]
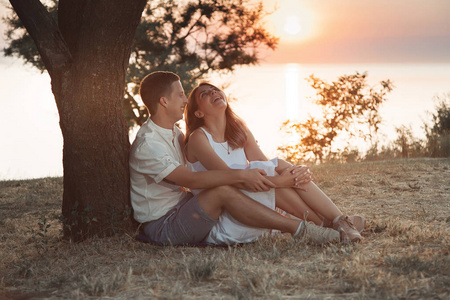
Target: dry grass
[(404, 255)]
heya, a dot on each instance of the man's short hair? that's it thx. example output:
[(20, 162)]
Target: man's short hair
[(154, 86)]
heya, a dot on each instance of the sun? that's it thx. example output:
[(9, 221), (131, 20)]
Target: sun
[(292, 21), (292, 25)]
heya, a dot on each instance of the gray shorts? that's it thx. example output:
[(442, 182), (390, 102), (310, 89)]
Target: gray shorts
[(186, 223)]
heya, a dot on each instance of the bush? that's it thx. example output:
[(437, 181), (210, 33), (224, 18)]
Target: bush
[(438, 134)]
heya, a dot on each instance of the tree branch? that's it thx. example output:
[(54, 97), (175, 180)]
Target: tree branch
[(43, 29), (190, 30)]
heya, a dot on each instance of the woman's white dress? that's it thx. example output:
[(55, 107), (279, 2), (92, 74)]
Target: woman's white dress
[(228, 230)]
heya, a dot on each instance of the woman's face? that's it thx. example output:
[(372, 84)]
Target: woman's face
[(210, 99)]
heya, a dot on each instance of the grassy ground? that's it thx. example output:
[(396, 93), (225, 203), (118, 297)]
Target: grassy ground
[(404, 254)]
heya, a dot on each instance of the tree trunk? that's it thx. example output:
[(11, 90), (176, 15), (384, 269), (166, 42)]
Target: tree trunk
[(89, 95), (95, 156)]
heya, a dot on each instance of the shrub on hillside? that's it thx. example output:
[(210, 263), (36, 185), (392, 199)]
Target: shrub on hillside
[(438, 133)]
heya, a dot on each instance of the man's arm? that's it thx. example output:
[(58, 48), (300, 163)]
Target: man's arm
[(302, 174), (254, 180), (200, 149)]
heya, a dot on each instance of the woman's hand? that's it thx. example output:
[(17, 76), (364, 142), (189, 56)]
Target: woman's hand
[(304, 174), (304, 177), (293, 177)]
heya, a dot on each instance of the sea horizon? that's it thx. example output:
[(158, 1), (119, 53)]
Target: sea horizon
[(267, 94), (415, 86)]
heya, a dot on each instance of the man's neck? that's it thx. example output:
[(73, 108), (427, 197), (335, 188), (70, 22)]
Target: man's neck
[(162, 121)]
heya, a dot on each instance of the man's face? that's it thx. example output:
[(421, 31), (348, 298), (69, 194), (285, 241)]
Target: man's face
[(176, 101)]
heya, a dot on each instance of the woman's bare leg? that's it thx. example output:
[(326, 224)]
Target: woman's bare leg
[(312, 201), (288, 200), (315, 198)]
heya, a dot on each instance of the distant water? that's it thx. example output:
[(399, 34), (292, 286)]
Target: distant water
[(269, 94), (31, 142)]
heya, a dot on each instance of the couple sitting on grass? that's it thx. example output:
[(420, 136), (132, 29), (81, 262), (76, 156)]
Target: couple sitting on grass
[(234, 189)]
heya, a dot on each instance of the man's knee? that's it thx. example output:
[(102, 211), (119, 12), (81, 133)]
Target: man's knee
[(219, 193), (224, 190), (213, 201)]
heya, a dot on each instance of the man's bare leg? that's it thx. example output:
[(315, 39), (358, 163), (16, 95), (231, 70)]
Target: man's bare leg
[(252, 213), (244, 209)]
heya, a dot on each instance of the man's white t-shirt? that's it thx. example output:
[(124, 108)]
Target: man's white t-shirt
[(155, 153)]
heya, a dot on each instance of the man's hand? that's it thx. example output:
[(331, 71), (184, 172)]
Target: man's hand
[(254, 180)]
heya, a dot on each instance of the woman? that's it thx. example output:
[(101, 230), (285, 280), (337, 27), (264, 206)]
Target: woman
[(217, 139)]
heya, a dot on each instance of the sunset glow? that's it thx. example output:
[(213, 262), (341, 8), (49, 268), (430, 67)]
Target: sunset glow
[(292, 74), (404, 41), (292, 21), (350, 31)]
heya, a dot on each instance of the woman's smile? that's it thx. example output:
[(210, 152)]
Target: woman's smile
[(217, 98)]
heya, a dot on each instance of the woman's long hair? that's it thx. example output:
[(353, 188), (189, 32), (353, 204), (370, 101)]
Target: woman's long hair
[(235, 130)]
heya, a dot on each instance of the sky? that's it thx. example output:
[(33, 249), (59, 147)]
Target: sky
[(354, 31), (311, 32), (360, 31)]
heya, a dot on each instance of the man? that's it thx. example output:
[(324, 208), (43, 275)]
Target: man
[(169, 214)]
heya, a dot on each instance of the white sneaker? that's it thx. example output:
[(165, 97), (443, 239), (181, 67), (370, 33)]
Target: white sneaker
[(317, 234)]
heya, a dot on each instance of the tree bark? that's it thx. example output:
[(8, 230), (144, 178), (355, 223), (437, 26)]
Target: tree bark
[(45, 33), (89, 93)]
